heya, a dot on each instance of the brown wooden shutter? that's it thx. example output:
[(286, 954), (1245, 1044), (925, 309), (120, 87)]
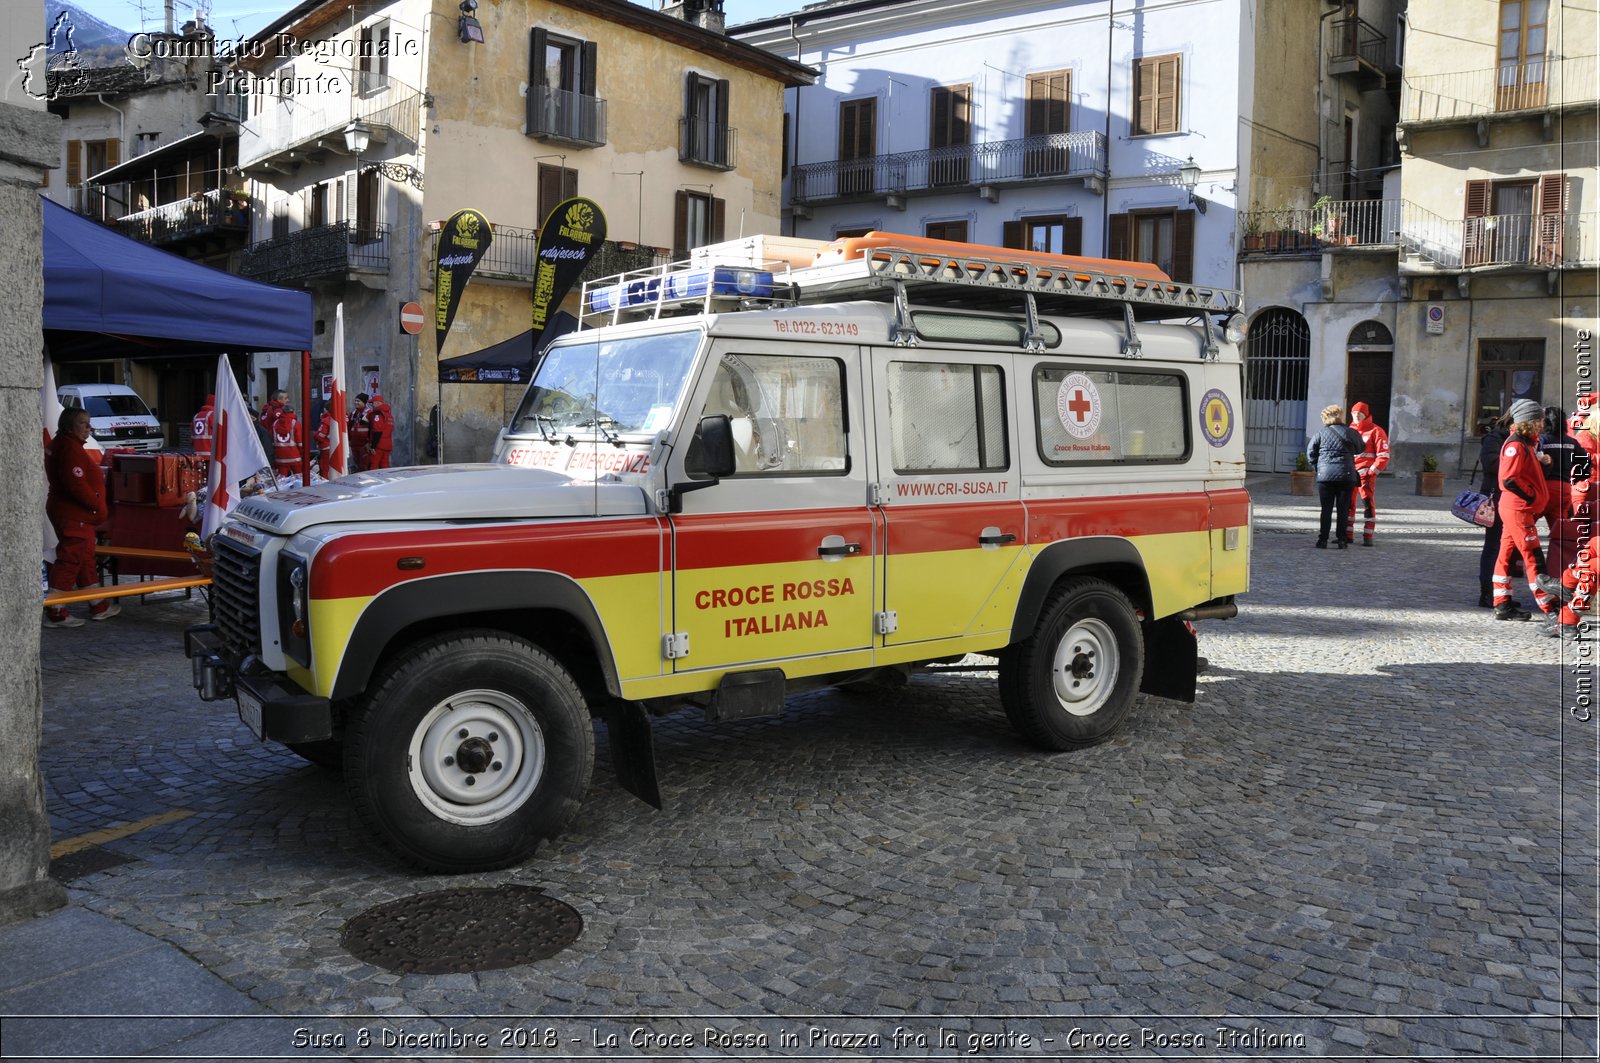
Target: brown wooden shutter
[(113, 153), (1183, 245), (538, 39), (1011, 235), (74, 165), (1167, 102), (1072, 236), (1552, 209), (680, 224), (939, 131), (588, 68), (719, 219), (1144, 98), (569, 183), (1118, 233), (1474, 245), (550, 182)]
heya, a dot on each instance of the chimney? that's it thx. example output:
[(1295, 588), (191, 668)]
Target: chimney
[(168, 7), (707, 14)]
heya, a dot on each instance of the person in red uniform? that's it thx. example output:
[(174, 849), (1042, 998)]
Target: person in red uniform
[(380, 422), (1586, 470), (75, 506), (205, 426), (274, 407), (1373, 459), (1523, 496), (360, 435), (1576, 590), (324, 441), (286, 443)]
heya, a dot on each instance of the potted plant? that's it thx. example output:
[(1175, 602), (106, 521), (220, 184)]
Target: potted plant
[(1303, 481), (1252, 231), (1322, 222), (1430, 481)]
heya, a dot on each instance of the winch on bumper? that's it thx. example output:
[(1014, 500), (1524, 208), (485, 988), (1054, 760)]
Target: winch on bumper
[(271, 708)]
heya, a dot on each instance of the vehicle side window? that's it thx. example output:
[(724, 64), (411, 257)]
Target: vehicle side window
[(946, 417), (1098, 416), (787, 413)]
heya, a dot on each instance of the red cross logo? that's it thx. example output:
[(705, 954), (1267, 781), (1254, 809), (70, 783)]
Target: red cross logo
[(1079, 406)]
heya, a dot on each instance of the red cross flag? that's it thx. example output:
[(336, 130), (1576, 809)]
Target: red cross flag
[(236, 453)]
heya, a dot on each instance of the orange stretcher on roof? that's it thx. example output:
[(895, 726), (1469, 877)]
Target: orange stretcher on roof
[(855, 248)]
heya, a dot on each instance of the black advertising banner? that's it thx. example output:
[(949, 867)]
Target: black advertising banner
[(570, 237), (462, 243)]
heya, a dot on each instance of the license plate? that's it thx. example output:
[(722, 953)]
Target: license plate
[(250, 713)]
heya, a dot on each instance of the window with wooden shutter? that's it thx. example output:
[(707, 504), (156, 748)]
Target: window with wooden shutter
[(1164, 238), (1551, 221), (858, 138), (705, 138), (74, 166), (1523, 54), (556, 183), (949, 135), (1045, 119), (562, 75), (1053, 234), (1156, 84), (946, 230), (697, 219)]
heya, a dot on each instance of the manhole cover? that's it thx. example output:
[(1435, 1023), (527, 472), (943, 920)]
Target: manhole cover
[(463, 930)]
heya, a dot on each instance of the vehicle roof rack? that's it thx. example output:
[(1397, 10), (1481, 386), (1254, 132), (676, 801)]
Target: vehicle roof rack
[(922, 272)]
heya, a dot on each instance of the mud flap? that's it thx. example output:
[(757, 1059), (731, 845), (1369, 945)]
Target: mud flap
[(1170, 656), (633, 751)]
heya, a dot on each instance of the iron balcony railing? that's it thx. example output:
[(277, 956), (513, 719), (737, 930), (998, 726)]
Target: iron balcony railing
[(563, 115), (201, 213), (706, 143), (319, 252), (1024, 160), (1354, 39), (1533, 84), (512, 255), (1538, 241), (287, 122), (1337, 223)]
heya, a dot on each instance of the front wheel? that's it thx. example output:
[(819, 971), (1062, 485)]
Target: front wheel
[(472, 751), (1072, 682)]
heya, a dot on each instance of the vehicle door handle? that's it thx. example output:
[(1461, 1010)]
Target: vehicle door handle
[(995, 537), (835, 546)]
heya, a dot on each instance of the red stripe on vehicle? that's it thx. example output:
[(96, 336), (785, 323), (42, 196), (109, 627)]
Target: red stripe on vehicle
[(1231, 508), (362, 565), (1050, 520), (721, 540), (929, 529)]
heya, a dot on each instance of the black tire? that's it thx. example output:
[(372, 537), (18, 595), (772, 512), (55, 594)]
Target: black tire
[(456, 710), (1073, 681), (328, 753)]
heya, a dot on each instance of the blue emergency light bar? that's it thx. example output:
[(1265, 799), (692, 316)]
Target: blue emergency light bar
[(714, 281)]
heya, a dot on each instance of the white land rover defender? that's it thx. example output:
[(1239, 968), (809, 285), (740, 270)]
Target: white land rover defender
[(740, 481)]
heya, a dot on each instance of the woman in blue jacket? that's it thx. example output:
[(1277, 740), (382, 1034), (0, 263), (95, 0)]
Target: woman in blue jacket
[(1333, 454)]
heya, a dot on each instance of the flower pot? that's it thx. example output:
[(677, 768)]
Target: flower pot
[(1430, 484), (1303, 483)]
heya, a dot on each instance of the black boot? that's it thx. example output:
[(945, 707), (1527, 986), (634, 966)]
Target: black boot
[(1509, 611), (1553, 587), (1485, 601)]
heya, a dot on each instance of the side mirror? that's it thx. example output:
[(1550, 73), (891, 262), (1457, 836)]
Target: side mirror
[(710, 457)]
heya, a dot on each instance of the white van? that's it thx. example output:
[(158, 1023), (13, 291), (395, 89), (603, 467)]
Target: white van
[(118, 417)]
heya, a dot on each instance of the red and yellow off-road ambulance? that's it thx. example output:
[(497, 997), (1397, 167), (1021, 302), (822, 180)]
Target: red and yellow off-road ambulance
[(737, 481)]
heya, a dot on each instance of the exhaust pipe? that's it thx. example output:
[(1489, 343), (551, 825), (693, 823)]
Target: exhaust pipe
[(1210, 611)]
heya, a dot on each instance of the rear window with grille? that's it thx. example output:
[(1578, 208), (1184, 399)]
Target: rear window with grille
[(946, 417), (1100, 416)]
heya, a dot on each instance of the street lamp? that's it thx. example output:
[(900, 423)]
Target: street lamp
[(357, 135), (1189, 176)]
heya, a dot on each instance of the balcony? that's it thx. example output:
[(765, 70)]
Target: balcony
[(512, 255), (327, 250), (566, 117), (1359, 51), (705, 143), (1024, 161), (1344, 223), (296, 129), (1547, 84), (202, 214), (1528, 241)]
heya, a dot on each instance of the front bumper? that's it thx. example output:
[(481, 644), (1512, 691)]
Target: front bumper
[(274, 709)]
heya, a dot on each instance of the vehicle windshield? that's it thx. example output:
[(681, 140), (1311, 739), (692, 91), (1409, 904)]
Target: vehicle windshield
[(608, 388), (115, 406)]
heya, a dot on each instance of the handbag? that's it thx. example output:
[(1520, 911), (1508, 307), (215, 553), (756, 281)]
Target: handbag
[(1475, 508)]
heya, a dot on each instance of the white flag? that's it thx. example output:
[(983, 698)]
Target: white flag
[(336, 458), (236, 453)]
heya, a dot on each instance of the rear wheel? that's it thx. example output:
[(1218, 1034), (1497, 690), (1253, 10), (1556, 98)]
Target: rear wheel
[(1072, 682), (474, 749)]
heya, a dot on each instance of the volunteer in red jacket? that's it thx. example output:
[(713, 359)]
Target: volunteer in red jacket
[(1586, 471), (1373, 459), (380, 422), (1523, 496), (324, 440), (286, 443), (76, 505), (273, 408), (204, 426)]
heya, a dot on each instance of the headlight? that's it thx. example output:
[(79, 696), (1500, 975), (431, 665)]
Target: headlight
[(297, 594), (294, 607), (1235, 328)]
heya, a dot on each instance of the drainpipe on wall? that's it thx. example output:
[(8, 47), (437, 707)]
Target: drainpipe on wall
[(1322, 122), (794, 131), (1105, 198)]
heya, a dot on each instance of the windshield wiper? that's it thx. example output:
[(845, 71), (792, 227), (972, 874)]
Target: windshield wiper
[(547, 434), (600, 421)]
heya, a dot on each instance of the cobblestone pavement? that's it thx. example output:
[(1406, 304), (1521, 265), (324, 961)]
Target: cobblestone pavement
[(1374, 834)]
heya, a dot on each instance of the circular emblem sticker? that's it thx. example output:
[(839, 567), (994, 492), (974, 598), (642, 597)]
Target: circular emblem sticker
[(1216, 417), (1078, 405)]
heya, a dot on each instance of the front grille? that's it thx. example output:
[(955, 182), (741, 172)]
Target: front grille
[(236, 595)]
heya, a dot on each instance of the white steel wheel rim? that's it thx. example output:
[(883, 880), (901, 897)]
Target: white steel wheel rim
[(476, 757), (1085, 667)]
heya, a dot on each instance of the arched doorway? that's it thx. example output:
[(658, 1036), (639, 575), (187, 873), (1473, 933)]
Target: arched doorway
[(1369, 370), (1277, 367)]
